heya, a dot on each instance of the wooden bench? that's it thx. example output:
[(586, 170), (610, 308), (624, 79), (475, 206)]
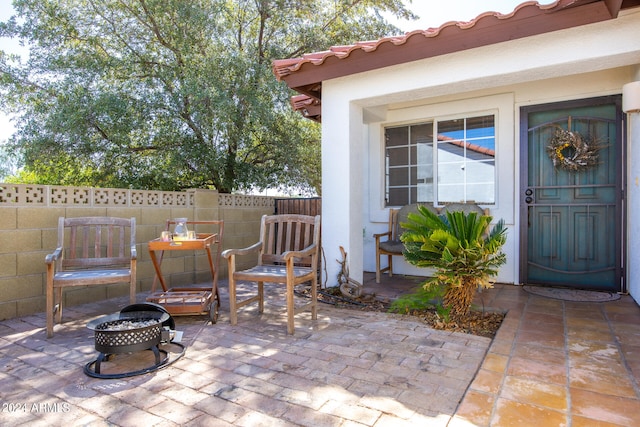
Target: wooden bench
[(90, 251)]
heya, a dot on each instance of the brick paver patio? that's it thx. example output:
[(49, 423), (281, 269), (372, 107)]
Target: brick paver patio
[(350, 368), (553, 363)]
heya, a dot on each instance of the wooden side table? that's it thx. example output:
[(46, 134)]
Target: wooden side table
[(188, 300)]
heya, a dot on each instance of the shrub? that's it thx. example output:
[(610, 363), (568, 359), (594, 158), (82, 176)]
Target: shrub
[(465, 257)]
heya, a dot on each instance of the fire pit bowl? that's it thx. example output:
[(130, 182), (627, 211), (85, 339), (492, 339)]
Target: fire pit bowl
[(128, 332)]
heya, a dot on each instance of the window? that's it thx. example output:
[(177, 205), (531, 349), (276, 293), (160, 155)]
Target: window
[(409, 164), (463, 160)]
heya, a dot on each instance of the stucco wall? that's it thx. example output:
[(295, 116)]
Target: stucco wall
[(28, 232), (633, 198)]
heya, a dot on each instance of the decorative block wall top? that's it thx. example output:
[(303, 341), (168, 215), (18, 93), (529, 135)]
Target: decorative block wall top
[(54, 195), (245, 201), (58, 196)]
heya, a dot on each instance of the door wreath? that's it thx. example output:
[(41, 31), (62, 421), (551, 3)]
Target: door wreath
[(571, 151)]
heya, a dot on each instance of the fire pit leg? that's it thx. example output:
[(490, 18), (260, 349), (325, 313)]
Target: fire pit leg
[(156, 352), (99, 360), (103, 356), (92, 369)]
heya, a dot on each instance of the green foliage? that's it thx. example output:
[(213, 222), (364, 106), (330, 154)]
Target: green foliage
[(8, 162), (444, 312), (170, 94), (456, 246), (423, 298)]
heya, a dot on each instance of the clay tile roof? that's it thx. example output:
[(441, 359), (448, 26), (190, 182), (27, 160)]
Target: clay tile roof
[(468, 145), (307, 105), (306, 73)]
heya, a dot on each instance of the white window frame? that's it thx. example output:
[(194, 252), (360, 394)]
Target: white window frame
[(436, 163), (503, 108)]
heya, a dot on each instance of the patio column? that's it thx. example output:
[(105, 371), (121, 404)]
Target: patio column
[(342, 184)]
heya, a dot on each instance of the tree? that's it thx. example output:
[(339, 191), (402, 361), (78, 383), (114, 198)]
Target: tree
[(170, 94), (464, 256)]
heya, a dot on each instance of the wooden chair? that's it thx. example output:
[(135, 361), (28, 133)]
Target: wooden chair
[(392, 246), (90, 251), (287, 254)]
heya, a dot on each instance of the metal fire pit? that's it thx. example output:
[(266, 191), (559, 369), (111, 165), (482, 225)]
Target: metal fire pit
[(128, 332)]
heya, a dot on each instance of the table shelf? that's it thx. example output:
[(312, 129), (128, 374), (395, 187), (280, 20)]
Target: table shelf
[(189, 300)]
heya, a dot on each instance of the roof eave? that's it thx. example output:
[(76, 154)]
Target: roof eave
[(305, 75), (488, 29)]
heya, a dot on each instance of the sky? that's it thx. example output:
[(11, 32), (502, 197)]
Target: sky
[(432, 13), (6, 10)]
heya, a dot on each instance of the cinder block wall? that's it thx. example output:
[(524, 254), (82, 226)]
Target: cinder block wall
[(28, 232)]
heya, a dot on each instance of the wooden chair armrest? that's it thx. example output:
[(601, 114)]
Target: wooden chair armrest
[(308, 251), (243, 251), (52, 257), (377, 236)]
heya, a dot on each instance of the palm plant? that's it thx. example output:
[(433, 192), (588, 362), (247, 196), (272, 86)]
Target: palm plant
[(457, 245)]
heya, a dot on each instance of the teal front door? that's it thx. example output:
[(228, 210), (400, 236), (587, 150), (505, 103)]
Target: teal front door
[(571, 195)]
